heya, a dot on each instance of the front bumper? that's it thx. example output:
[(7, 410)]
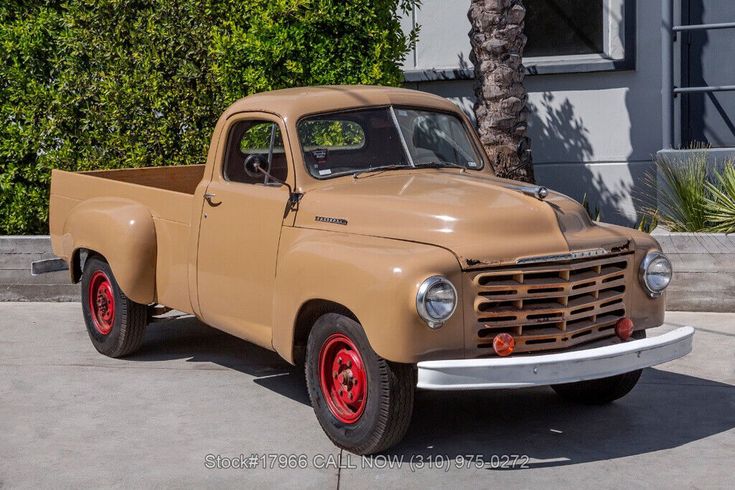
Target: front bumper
[(552, 369)]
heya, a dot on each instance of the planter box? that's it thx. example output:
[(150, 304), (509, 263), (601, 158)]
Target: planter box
[(704, 270), (16, 281)]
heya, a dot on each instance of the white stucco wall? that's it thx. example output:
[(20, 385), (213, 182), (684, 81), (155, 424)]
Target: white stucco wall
[(592, 133)]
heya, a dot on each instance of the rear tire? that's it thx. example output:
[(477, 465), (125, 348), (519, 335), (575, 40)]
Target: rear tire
[(115, 323), (363, 402), (604, 390)]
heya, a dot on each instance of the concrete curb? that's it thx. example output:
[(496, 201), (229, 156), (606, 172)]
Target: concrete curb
[(16, 281), (704, 270)]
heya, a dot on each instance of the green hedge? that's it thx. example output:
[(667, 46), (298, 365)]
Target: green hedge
[(91, 84)]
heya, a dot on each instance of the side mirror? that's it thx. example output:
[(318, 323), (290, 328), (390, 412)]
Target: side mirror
[(256, 166)]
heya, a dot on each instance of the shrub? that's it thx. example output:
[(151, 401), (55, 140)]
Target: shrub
[(721, 205), (682, 195), (595, 214), (92, 84), (28, 138), (691, 199)]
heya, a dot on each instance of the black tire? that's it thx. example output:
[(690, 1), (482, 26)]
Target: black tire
[(116, 331), (388, 404), (604, 390)]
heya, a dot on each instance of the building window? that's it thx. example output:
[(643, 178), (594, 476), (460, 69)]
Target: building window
[(564, 36), (564, 27), (569, 36)]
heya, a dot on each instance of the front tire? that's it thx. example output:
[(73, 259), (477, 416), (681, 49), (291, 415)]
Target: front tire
[(363, 402), (604, 390), (115, 323)]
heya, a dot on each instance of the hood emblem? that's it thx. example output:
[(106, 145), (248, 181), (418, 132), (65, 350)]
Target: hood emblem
[(541, 193), (538, 191), (328, 219)]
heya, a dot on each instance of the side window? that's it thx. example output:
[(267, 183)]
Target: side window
[(254, 138)]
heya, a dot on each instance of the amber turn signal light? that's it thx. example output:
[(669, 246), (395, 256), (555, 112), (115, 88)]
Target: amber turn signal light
[(624, 328), (503, 344)]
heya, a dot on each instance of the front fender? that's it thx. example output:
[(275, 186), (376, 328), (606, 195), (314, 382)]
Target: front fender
[(123, 232), (375, 278), (645, 311)]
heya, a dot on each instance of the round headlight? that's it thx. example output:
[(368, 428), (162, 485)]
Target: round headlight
[(436, 300), (655, 273)]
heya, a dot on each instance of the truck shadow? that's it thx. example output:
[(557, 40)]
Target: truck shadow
[(187, 338), (666, 410)]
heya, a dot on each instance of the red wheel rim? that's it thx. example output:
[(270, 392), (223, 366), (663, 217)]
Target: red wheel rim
[(343, 378), (101, 302)]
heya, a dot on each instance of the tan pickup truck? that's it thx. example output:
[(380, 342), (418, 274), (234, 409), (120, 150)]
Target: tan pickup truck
[(361, 231)]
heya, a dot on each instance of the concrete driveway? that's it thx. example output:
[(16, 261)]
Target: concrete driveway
[(194, 398)]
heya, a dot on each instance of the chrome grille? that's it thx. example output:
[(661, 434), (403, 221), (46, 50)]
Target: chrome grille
[(549, 306)]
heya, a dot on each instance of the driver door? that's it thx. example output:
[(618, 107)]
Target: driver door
[(239, 233)]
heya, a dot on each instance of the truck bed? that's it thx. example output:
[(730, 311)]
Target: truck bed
[(166, 191), (177, 179)]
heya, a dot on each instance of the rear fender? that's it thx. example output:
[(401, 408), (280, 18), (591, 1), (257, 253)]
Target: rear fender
[(124, 233)]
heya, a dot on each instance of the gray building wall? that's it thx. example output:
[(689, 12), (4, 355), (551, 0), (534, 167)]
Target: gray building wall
[(592, 132)]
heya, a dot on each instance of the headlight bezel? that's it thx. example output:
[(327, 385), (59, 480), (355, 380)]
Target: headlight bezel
[(650, 257), (421, 299)]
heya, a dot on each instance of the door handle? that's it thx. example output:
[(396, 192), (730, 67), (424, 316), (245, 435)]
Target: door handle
[(208, 196)]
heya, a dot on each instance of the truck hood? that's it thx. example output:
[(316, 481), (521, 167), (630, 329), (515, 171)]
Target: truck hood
[(483, 220)]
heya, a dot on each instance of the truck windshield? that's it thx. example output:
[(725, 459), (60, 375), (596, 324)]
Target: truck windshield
[(350, 142)]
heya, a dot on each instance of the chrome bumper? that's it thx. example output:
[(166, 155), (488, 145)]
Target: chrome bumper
[(551, 369)]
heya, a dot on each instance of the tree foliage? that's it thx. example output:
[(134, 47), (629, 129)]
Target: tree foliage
[(92, 84)]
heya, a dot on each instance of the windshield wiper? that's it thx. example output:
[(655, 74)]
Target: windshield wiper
[(434, 164), (380, 168), (439, 164)]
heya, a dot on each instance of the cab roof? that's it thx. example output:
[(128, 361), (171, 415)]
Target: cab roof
[(293, 103)]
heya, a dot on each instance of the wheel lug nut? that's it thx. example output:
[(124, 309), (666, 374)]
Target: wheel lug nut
[(351, 397), (349, 364)]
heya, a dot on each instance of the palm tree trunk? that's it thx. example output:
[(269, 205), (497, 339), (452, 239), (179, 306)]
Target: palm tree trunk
[(497, 41)]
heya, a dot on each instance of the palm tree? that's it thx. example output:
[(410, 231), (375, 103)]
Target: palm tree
[(497, 41)]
